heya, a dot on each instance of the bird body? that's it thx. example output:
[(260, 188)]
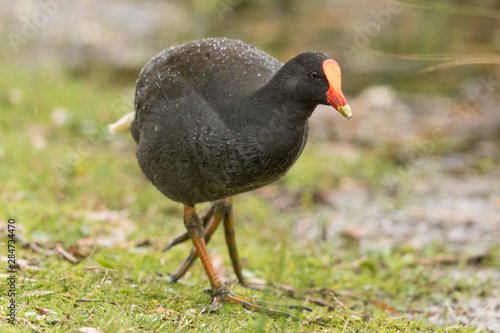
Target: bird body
[(211, 121)]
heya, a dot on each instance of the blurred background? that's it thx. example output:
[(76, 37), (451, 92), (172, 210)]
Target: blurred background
[(417, 166), (422, 78)]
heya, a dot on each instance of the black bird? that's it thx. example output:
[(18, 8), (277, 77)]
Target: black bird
[(217, 117)]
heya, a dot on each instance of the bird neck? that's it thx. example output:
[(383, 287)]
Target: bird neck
[(276, 100)]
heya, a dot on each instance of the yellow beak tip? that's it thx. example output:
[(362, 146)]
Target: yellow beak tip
[(345, 110)]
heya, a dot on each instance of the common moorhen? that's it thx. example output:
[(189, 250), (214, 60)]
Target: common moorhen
[(218, 117)]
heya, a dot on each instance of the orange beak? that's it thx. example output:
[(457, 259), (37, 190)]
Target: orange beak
[(334, 95)]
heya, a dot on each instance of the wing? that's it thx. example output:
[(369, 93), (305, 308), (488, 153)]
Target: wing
[(216, 71)]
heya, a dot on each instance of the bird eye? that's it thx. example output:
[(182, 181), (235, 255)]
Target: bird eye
[(314, 75)]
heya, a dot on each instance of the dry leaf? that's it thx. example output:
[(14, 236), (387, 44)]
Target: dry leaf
[(24, 264), (66, 255), (99, 269), (286, 288), (44, 311), (169, 312), (384, 306), (21, 278), (145, 242), (79, 250), (89, 330), (321, 302), (158, 310), (255, 283), (41, 311), (36, 293)]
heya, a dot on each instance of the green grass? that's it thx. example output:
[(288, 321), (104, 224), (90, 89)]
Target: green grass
[(79, 171)]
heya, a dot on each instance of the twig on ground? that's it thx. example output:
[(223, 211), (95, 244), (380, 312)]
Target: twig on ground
[(341, 304), (368, 323), (291, 292), (319, 301), (97, 301), (66, 255), (346, 322)]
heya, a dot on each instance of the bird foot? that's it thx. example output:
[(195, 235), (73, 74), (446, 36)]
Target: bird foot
[(225, 296)]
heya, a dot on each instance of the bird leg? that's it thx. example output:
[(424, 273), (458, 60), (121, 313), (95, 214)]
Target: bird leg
[(186, 264), (226, 207), (220, 293), (221, 209), (184, 236)]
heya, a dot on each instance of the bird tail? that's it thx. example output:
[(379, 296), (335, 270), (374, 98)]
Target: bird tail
[(122, 124)]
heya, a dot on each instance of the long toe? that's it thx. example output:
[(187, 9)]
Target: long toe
[(180, 238), (225, 296), (249, 305)]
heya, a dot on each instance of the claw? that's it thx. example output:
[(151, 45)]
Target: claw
[(216, 304)]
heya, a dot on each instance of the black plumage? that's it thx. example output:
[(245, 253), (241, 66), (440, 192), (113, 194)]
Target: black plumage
[(218, 117)]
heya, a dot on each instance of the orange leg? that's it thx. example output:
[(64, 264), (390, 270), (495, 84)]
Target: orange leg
[(209, 231), (231, 240), (218, 210), (184, 236), (220, 293)]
